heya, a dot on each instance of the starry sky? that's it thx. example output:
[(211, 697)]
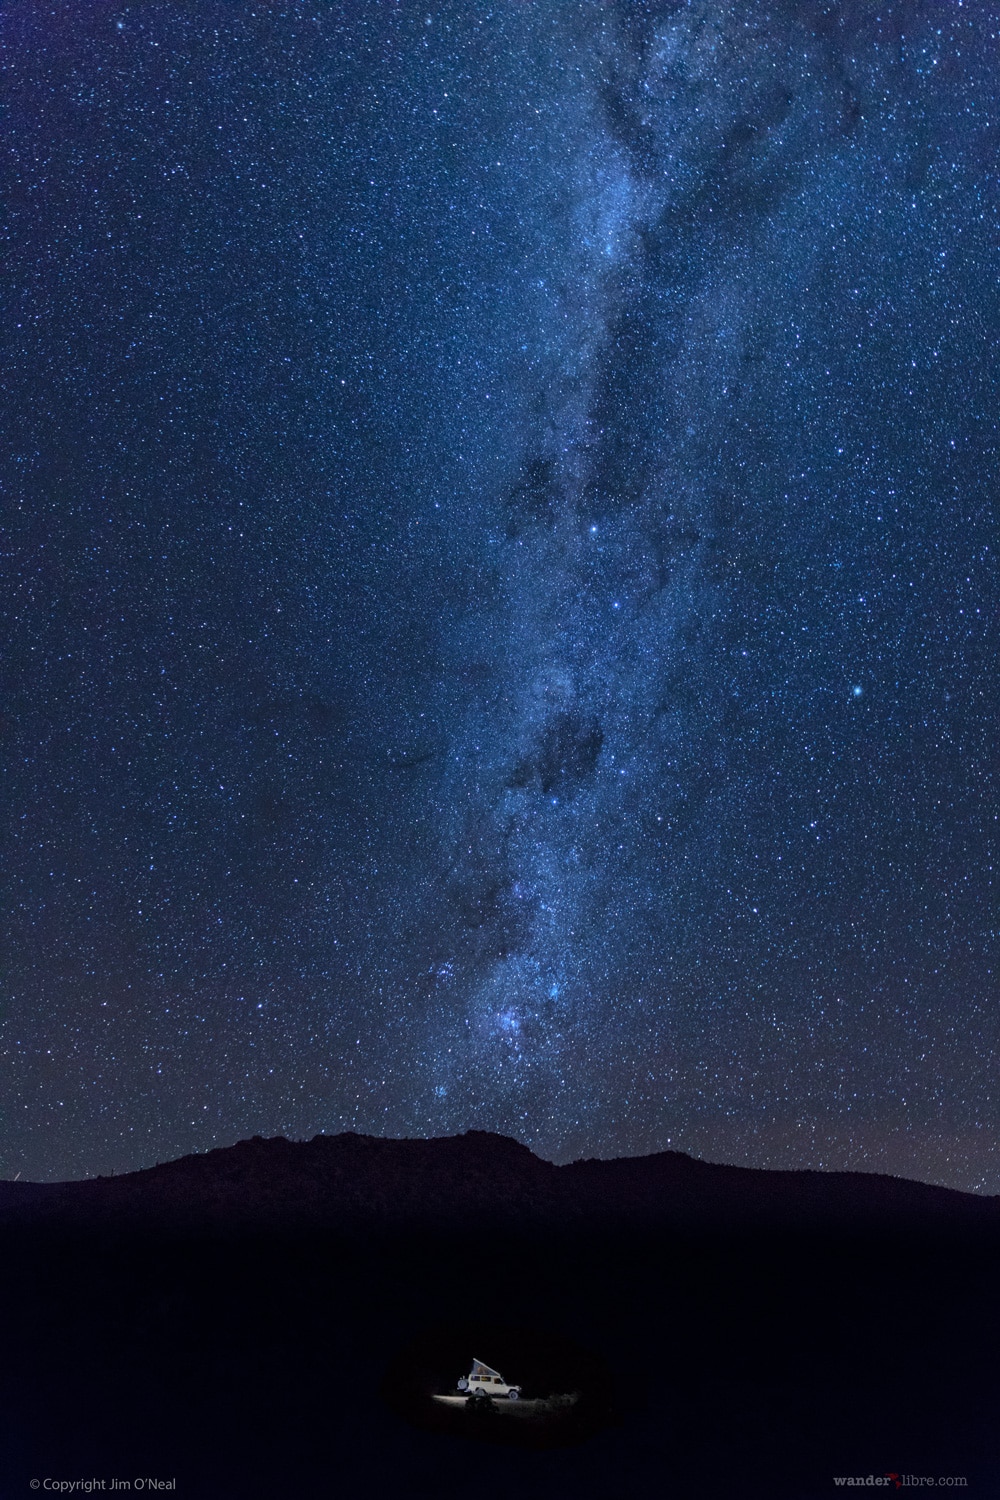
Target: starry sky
[(500, 595)]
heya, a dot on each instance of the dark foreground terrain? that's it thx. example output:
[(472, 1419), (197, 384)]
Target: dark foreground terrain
[(273, 1320)]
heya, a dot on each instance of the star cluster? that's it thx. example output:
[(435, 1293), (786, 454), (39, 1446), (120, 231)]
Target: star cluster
[(501, 580)]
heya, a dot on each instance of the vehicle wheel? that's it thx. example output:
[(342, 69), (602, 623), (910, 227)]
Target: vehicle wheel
[(512, 1395)]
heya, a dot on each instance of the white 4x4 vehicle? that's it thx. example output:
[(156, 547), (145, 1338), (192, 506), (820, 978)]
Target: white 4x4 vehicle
[(486, 1382)]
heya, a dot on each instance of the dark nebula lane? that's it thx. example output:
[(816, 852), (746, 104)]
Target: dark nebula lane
[(501, 581)]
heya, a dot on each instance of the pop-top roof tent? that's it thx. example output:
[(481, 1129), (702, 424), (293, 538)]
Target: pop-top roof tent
[(479, 1370)]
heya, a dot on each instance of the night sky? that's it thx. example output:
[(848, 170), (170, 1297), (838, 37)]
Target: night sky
[(499, 579)]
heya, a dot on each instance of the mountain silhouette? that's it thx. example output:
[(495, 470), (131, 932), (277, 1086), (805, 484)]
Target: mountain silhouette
[(366, 1181)]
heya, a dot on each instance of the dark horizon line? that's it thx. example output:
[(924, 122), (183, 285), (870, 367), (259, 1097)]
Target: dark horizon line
[(498, 1136)]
